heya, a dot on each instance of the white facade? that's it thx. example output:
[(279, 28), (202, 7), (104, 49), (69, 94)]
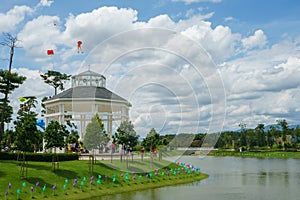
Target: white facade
[(87, 97)]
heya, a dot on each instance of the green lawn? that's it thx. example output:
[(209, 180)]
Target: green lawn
[(64, 177)]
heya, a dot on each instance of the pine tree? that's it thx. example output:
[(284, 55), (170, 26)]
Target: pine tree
[(55, 79)]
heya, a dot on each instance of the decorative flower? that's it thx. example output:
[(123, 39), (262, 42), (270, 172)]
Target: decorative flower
[(9, 186), (54, 187), (44, 188), (32, 189)]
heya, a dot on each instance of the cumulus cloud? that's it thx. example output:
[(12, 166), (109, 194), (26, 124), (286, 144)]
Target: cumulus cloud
[(13, 17), (259, 39), (157, 69), (31, 40), (33, 86), (219, 42), (261, 86)]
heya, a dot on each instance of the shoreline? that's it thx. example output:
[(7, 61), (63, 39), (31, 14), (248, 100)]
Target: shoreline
[(87, 187), (263, 154), (202, 176)]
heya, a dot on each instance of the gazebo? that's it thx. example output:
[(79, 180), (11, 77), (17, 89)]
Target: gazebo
[(87, 96)]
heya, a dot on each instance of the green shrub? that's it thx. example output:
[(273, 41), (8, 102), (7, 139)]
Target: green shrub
[(42, 157)]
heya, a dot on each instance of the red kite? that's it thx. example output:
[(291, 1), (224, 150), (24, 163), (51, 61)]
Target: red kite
[(79, 43), (50, 52)]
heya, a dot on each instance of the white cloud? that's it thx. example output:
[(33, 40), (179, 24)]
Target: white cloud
[(219, 42), (44, 3), (261, 83), (227, 19), (33, 86), (13, 17), (259, 39), (39, 35)]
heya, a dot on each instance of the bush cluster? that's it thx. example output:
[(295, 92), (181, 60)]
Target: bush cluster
[(42, 157)]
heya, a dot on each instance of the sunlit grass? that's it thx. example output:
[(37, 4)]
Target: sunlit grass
[(42, 173)]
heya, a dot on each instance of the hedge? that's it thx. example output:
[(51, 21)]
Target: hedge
[(42, 157)]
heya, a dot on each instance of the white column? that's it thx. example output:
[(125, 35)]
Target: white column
[(61, 117), (94, 109), (109, 125), (124, 114), (81, 127)]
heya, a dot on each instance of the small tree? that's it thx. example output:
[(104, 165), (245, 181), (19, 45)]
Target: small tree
[(95, 134), (284, 129), (73, 137), (126, 134), (261, 137), (151, 140), (27, 135), (55, 134), (55, 79), (26, 131)]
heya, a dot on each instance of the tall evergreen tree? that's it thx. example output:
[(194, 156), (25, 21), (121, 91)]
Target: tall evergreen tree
[(8, 82)]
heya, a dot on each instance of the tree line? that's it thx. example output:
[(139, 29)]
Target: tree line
[(277, 136)]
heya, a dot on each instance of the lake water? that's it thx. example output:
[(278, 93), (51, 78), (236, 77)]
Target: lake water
[(231, 178)]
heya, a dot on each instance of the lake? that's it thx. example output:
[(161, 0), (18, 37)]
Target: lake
[(231, 178)]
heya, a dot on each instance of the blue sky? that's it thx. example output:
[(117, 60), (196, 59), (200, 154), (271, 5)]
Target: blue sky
[(254, 45)]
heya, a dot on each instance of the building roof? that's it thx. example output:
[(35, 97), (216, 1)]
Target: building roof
[(88, 73), (88, 92)]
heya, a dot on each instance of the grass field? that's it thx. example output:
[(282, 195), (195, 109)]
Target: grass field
[(59, 184)]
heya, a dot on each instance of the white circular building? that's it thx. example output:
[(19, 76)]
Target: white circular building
[(87, 96)]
